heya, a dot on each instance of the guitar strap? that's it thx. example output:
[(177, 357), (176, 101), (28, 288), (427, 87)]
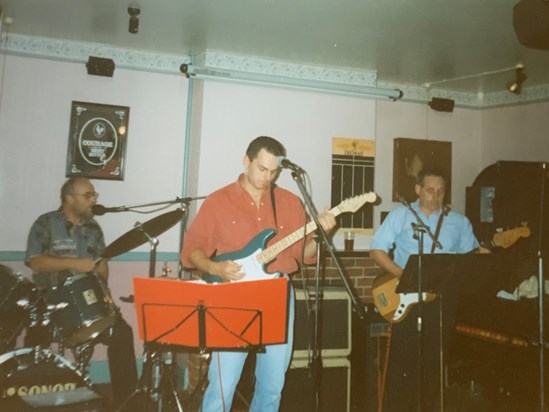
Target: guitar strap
[(444, 213), (273, 204)]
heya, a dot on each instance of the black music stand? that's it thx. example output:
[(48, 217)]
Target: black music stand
[(440, 268), (445, 275)]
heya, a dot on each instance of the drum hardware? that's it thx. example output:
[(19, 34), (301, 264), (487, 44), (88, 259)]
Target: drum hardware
[(157, 379), (83, 354)]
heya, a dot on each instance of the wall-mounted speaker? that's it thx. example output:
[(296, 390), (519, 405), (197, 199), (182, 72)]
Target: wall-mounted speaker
[(98, 66), (531, 23), (442, 105)]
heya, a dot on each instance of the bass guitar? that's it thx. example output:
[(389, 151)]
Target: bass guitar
[(394, 307), (253, 257)]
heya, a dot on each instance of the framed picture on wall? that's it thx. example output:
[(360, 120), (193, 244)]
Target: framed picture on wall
[(410, 156), (98, 136)]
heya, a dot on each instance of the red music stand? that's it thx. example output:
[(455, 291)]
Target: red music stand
[(221, 316)]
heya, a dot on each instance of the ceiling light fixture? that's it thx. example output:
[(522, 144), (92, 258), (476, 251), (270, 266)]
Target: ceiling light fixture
[(204, 73), (515, 86), (428, 85)]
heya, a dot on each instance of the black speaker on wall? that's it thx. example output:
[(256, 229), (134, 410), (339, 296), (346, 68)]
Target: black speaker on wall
[(98, 66), (442, 105)]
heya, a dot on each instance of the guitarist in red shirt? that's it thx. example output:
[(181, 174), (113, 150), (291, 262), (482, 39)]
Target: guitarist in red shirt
[(226, 222)]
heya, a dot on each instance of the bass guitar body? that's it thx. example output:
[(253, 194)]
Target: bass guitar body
[(392, 306)]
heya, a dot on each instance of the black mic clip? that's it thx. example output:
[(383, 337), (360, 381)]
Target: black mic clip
[(284, 163)]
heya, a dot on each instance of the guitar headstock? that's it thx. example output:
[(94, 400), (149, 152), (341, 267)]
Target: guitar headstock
[(508, 238), (352, 204)]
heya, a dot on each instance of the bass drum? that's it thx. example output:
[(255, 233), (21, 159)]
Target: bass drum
[(13, 318), (27, 371)]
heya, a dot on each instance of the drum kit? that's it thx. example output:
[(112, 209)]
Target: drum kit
[(75, 315)]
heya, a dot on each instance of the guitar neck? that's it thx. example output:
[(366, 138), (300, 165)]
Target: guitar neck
[(272, 251)]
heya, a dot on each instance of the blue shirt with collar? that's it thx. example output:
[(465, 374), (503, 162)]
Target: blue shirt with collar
[(456, 233)]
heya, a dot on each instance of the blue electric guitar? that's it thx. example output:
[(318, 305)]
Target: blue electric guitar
[(253, 257)]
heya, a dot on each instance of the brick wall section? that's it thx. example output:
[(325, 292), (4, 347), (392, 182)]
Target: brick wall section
[(360, 270)]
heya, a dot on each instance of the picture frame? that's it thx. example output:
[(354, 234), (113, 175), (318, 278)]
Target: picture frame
[(98, 135), (410, 156)]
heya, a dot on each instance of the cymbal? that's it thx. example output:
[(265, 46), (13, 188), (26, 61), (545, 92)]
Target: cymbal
[(136, 237)]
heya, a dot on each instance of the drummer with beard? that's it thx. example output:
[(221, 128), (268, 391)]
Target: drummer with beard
[(68, 242)]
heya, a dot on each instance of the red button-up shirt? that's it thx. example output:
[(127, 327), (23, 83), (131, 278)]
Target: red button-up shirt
[(229, 219)]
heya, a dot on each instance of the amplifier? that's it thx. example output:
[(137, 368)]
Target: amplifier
[(335, 387), (335, 334), (369, 350)]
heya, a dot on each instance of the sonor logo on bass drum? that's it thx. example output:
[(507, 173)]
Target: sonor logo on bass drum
[(38, 389)]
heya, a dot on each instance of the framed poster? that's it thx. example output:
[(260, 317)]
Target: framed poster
[(98, 136), (410, 156)]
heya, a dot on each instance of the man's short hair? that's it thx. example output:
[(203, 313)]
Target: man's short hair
[(68, 187), (271, 145), (431, 172)]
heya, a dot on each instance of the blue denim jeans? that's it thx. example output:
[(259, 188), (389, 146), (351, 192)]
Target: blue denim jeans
[(270, 372)]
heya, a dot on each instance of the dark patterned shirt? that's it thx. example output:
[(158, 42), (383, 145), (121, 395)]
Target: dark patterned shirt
[(52, 234)]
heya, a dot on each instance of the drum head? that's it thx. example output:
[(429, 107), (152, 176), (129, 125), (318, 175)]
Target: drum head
[(23, 373)]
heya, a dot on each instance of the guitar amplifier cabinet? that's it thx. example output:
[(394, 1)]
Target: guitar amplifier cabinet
[(335, 323), (335, 388)]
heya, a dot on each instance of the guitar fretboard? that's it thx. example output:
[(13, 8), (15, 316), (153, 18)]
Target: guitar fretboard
[(348, 205), (272, 251)]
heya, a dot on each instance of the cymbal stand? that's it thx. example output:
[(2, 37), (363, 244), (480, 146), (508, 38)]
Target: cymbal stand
[(157, 378)]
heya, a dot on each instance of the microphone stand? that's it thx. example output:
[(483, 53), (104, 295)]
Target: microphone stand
[(316, 362), (184, 200), (420, 228)]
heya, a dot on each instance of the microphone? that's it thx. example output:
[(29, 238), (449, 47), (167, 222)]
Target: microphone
[(100, 210), (287, 164)]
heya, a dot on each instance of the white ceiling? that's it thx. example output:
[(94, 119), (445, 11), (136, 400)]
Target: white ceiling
[(405, 41)]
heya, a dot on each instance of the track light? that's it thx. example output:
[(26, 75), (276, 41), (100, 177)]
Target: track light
[(518, 67), (134, 11), (203, 73), (515, 86)]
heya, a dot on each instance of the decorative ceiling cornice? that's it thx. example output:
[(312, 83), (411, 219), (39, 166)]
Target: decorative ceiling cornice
[(78, 52)]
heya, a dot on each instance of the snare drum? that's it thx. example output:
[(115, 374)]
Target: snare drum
[(12, 317), (90, 310), (28, 372)]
